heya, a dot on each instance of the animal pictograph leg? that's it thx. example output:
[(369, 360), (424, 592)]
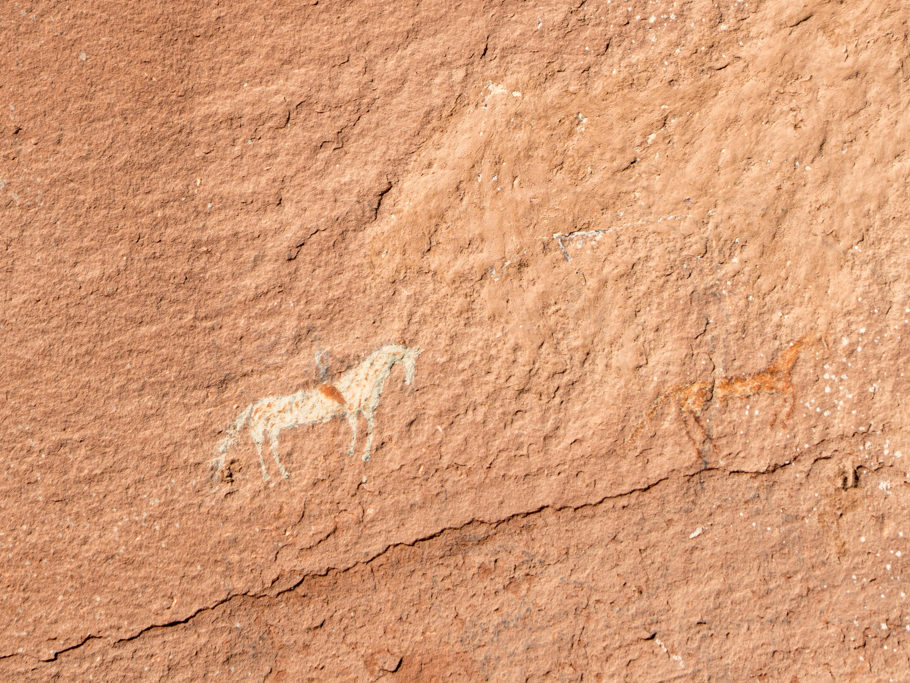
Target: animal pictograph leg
[(273, 442), (352, 422), (366, 450), (265, 472)]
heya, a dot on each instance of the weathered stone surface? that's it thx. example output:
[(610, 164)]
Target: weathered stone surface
[(650, 258)]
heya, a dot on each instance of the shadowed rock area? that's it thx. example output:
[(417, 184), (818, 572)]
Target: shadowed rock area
[(434, 341)]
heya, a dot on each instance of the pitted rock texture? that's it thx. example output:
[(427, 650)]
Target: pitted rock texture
[(654, 256)]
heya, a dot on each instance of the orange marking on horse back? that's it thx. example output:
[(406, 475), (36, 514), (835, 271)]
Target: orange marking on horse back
[(330, 391)]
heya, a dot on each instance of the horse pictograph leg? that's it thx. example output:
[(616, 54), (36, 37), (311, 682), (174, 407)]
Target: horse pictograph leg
[(265, 472), (352, 422), (366, 450), (696, 433), (273, 442)]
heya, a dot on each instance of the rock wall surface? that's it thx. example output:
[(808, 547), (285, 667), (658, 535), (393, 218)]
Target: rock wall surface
[(644, 263)]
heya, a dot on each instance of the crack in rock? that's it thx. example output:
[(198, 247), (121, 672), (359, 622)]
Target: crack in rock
[(491, 524)]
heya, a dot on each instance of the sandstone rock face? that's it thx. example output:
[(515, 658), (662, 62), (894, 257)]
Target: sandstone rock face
[(577, 327)]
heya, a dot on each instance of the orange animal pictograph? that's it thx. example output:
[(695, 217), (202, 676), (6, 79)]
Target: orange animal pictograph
[(694, 398)]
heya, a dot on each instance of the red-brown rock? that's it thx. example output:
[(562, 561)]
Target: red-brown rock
[(645, 265)]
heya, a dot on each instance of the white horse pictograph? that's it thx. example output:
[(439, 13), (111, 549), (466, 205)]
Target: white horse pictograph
[(356, 391)]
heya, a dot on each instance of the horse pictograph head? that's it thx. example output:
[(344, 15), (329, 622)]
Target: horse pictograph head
[(409, 358), (389, 355)]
